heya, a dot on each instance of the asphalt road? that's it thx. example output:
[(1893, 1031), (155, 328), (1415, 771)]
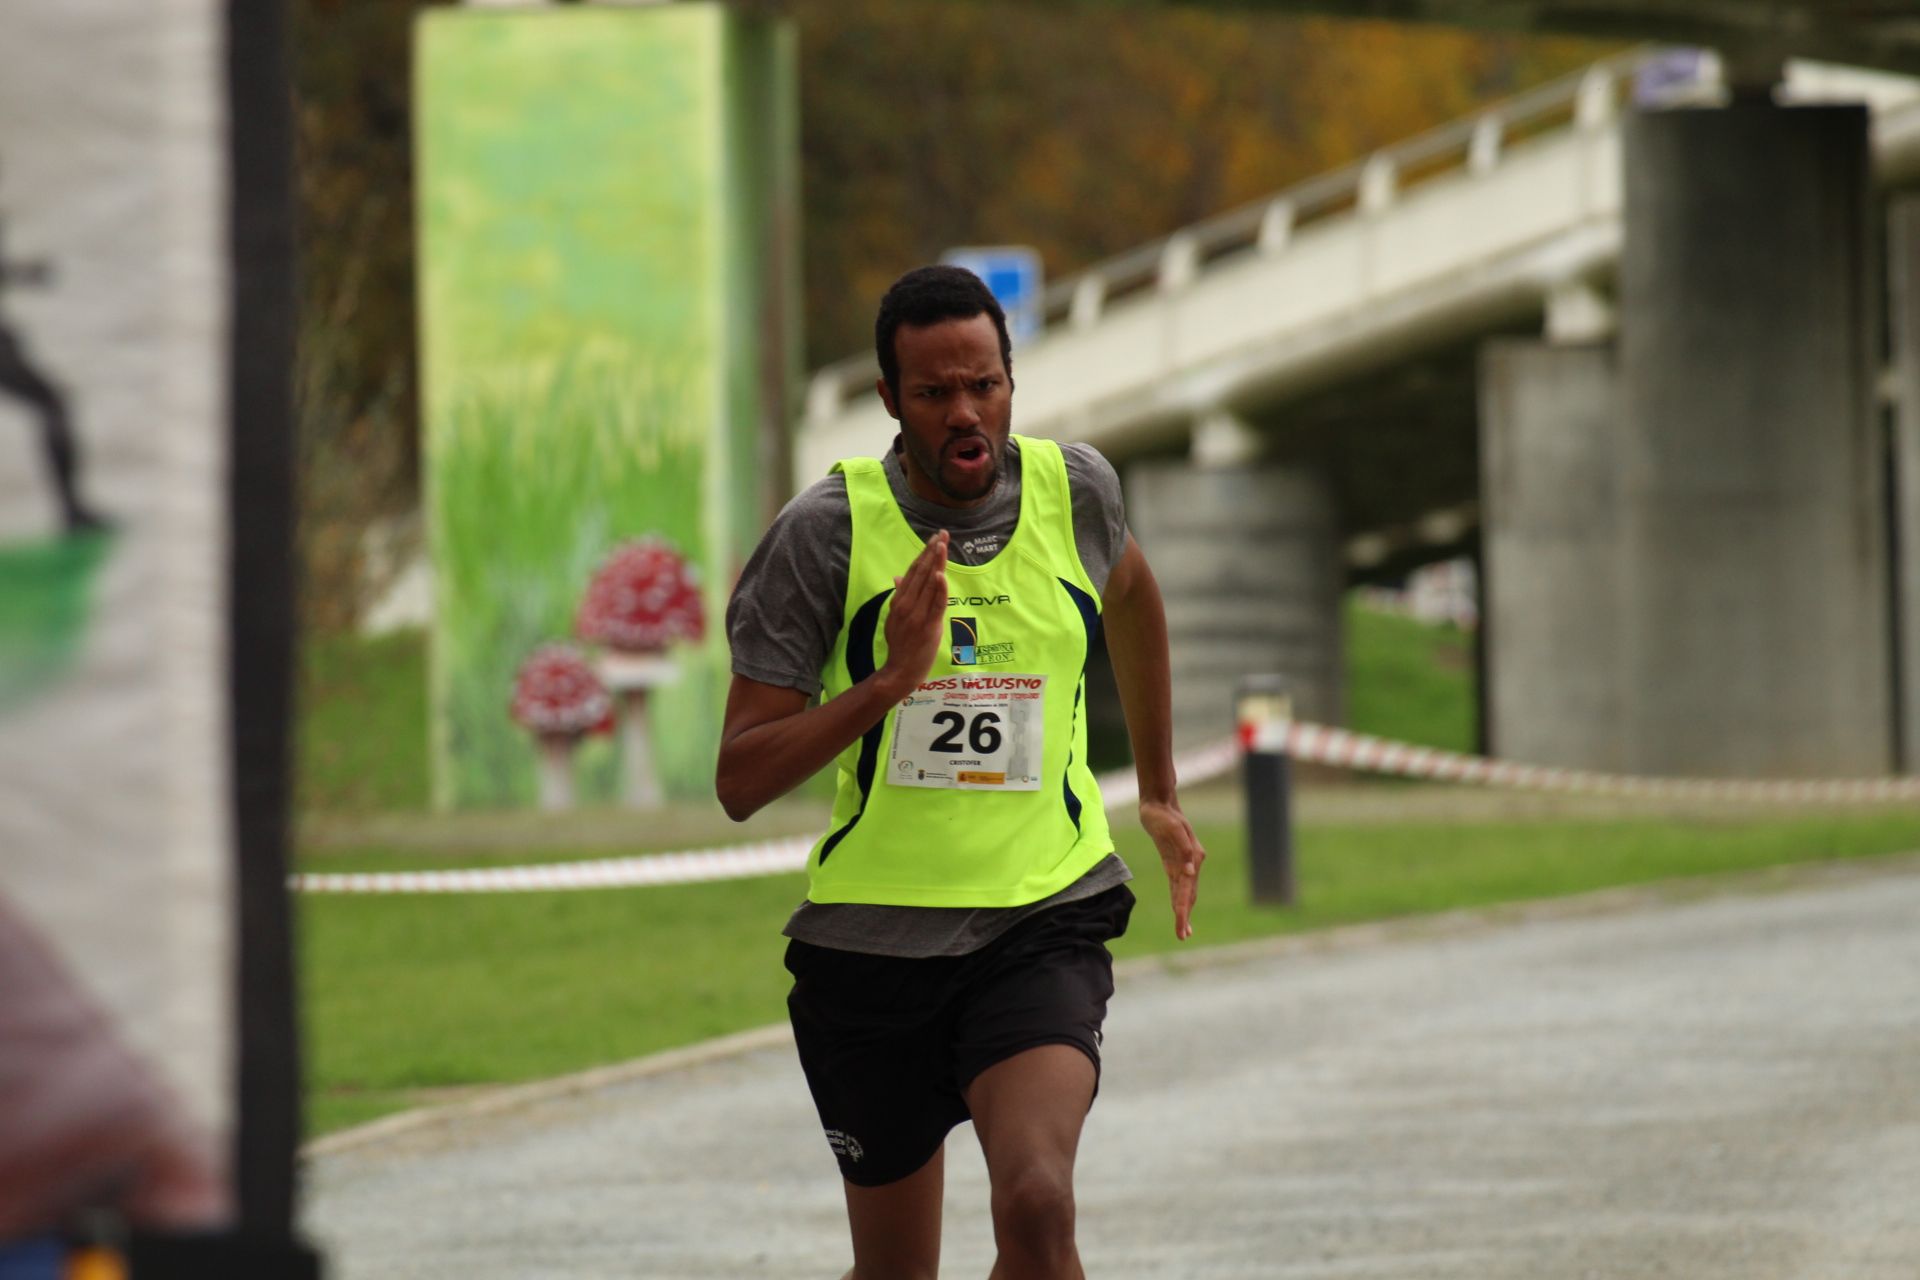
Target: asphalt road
[(1724, 1086)]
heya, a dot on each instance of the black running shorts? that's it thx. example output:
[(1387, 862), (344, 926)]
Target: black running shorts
[(889, 1044)]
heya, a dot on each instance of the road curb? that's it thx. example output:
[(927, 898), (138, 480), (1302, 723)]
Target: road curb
[(1336, 938), (513, 1096)]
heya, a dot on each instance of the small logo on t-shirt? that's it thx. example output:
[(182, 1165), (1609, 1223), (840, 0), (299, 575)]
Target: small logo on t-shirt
[(965, 635), (984, 544)]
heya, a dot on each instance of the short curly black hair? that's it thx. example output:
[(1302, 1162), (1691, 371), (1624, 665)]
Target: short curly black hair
[(928, 295)]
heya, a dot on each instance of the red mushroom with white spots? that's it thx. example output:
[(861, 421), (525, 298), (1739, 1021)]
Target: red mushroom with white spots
[(558, 698), (644, 597)]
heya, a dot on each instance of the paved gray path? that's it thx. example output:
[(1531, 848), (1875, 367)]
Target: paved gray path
[(1725, 1087)]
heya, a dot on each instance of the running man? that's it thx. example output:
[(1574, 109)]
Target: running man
[(950, 959)]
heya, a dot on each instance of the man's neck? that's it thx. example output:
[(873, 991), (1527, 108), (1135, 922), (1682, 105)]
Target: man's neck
[(922, 486)]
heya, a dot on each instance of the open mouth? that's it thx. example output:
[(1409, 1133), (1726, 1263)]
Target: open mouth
[(972, 449)]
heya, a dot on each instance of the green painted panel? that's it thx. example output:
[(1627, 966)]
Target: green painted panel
[(580, 216)]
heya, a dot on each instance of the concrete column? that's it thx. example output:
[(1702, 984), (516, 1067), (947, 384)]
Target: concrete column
[(1549, 527), (1754, 622), (1248, 560), (1903, 253)]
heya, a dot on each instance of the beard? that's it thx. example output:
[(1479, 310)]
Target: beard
[(956, 488)]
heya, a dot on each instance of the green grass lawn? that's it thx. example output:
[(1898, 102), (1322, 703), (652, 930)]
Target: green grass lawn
[(1409, 680), (361, 735)]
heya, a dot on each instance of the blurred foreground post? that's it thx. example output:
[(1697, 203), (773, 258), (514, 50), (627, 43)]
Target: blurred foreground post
[(1263, 712), (149, 1063)]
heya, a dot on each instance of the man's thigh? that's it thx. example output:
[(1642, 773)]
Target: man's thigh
[(1029, 1109), (874, 1037)]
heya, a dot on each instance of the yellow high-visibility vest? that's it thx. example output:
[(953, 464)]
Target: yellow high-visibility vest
[(973, 791)]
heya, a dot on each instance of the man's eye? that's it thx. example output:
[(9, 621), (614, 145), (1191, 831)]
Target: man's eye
[(986, 384)]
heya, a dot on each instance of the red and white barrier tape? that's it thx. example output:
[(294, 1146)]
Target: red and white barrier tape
[(734, 862), (1323, 744), (768, 857), (1303, 740)]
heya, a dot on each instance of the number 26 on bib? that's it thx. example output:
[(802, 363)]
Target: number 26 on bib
[(971, 733)]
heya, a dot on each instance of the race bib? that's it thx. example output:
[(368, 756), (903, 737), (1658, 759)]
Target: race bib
[(975, 733)]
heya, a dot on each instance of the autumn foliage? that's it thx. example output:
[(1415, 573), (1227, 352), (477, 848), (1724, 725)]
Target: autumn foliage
[(1086, 130)]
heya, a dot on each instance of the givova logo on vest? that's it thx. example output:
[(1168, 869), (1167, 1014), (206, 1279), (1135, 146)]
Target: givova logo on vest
[(968, 651)]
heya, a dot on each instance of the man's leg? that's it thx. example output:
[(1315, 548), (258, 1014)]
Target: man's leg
[(1029, 1110), (896, 1228)]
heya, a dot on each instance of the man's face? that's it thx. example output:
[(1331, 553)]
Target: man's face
[(955, 408)]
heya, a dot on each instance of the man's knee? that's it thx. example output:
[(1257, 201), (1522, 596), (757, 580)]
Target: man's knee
[(1033, 1211)]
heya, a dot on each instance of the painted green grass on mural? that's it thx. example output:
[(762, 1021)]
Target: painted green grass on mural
[(407, 996), (539, 471)]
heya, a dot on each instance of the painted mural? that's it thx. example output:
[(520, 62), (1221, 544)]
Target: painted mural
[(598, 194)]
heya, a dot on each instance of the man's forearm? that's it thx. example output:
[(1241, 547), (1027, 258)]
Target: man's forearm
[(763, 763), (1136, 627)]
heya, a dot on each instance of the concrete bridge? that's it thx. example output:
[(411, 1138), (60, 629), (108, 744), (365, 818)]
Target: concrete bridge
[(1624, 337)]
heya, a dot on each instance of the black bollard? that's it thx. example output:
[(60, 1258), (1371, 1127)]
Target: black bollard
[(1264, 710)]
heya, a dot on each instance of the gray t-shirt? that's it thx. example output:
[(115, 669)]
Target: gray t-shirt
[(784, 617)]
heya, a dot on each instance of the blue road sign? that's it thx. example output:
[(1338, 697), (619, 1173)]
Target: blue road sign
[(1013, 274)]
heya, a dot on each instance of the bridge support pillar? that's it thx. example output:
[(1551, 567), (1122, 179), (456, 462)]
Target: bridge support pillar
[(1249, 562), (1753, 620), (1550, 523)]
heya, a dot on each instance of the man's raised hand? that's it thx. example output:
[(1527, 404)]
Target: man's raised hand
[(914, 623)]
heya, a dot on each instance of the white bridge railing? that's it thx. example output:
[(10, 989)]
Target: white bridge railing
[(1470, 225)]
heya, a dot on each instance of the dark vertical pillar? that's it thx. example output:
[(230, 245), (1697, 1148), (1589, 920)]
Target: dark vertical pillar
[(1753, 615), (261, 607), (1549, 528)]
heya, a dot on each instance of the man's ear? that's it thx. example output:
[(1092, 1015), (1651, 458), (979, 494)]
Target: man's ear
[(886, 398)]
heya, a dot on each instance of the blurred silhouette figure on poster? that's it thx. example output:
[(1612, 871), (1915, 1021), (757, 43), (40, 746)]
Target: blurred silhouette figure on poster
[(22, 380)]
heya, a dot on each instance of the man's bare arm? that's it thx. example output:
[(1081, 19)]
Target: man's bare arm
[(771, 740), (1136, 627)]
